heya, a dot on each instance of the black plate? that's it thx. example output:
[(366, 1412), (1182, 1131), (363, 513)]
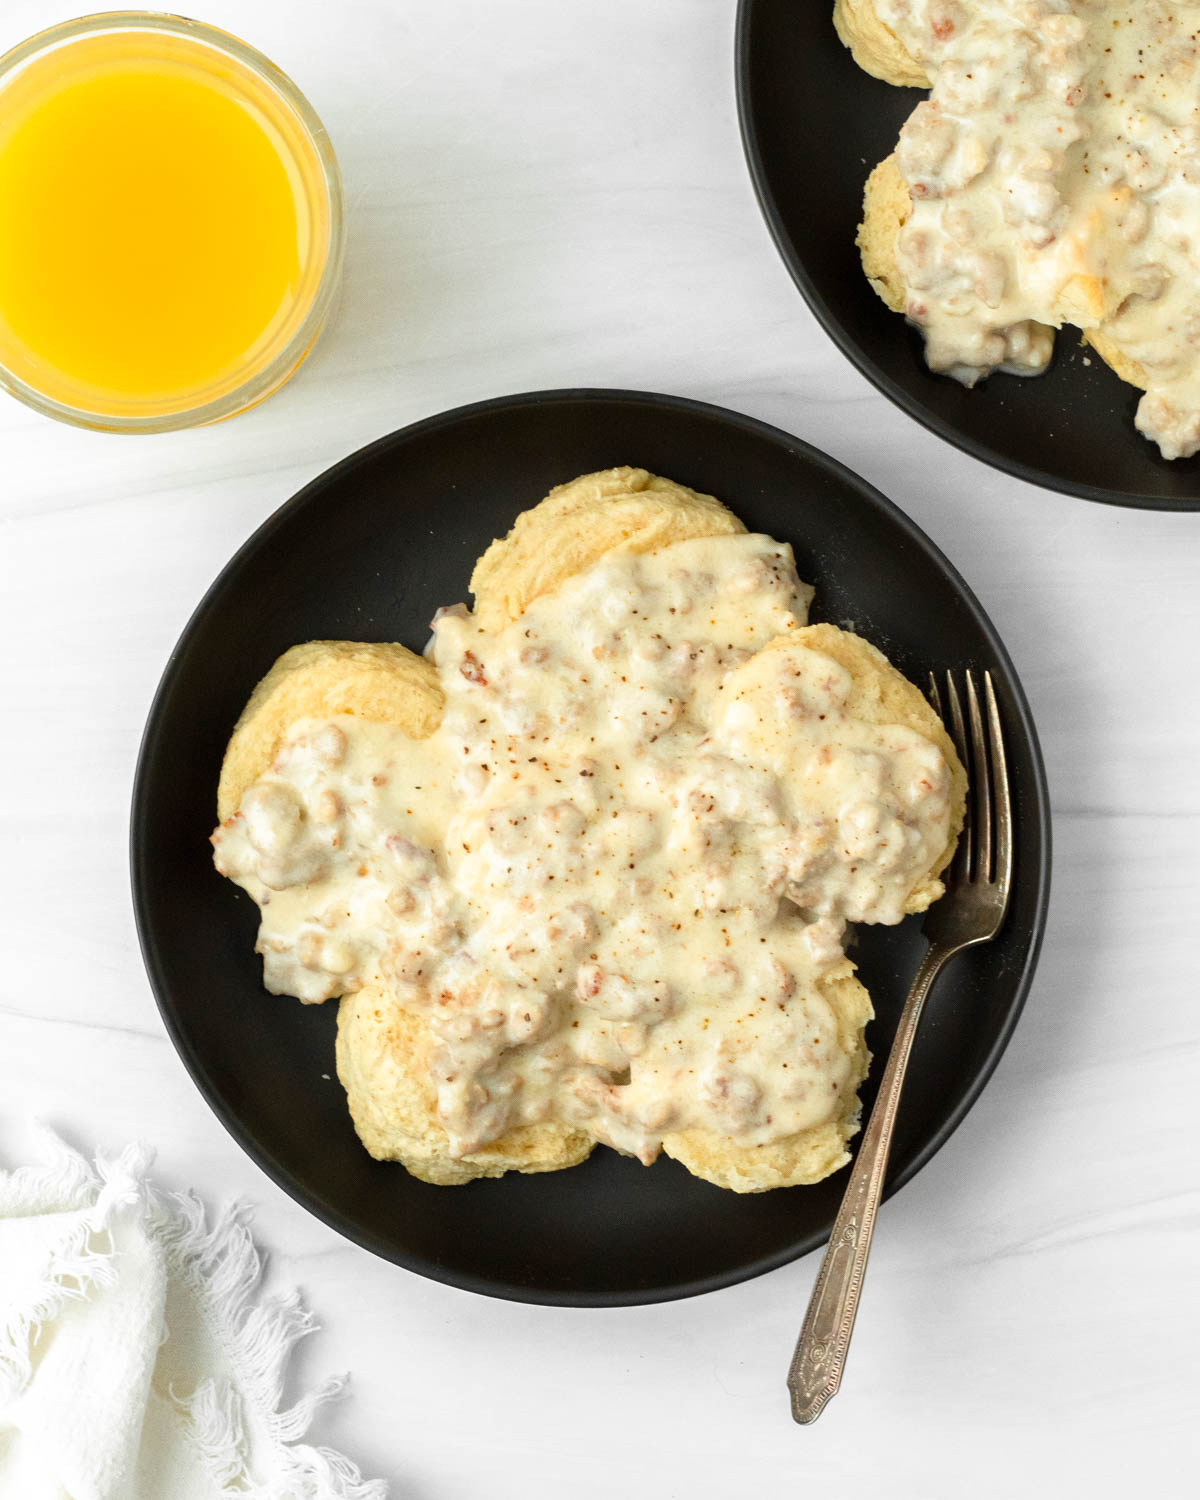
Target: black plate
[(814, 124), (367, 552)]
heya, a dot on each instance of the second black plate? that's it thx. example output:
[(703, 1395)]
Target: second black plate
[(367, 552), (814, 124)]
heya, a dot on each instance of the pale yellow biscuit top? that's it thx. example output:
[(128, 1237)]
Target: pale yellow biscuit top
[(320, 680), (577, 523), (875, 47)]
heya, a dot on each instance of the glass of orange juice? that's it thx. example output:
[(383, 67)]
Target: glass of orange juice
[(170, 223)]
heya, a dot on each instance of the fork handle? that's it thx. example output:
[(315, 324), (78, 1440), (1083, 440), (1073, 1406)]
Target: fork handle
[(820, 1357)]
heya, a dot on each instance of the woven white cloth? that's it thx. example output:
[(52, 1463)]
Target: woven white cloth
[(138, 1358)]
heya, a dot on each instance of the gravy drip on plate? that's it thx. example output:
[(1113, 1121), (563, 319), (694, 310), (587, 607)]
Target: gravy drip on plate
[(1055, 177), (615, 881)]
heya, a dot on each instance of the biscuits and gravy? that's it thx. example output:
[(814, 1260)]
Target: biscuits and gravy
[(583, 872)]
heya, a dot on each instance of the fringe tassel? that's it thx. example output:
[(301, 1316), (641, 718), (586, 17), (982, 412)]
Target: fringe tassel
[(214, 1416), (64, 1181), (223, 1269), (75, 1267), (322, 1474), (289, 1426), (123, 1181), (76, 1264)]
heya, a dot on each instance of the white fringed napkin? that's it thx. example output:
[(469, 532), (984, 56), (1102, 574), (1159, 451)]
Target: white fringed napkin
[(138, 1360)]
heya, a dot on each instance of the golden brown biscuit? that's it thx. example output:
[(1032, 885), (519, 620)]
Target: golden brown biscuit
[(875, 48), (384, 683), (886, 207), (383, 1056), (1128, 369), (576, 524), (809, 1155), (1084, 300), (879, 695), (882, 695)]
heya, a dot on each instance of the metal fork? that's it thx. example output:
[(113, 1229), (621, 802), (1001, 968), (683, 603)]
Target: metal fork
[(972, 911)]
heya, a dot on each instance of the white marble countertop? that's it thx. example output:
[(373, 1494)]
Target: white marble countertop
[(551, 193)]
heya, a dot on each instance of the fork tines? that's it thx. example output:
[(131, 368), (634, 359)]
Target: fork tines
[(985, 848)]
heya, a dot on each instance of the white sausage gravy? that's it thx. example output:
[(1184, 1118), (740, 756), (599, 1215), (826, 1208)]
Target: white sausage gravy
[(617, 876), (1055, 177)]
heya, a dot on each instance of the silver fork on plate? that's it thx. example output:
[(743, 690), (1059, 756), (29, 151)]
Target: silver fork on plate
[(971, 911)]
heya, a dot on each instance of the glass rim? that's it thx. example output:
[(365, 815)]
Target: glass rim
[(287, 359)]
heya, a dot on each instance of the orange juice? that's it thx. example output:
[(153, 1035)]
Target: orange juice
[(165, 222)]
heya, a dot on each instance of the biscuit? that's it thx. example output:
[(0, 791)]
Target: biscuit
[(809, 1155), (384, 683), (576, 524), (880, 694), (1083, 299), (383, 1056), (887, 204), (1127, 368), (875, 48)]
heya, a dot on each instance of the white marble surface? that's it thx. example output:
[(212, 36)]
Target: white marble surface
[(549, 193)]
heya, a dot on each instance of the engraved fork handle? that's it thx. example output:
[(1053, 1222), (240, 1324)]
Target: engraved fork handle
[(820, 1357)]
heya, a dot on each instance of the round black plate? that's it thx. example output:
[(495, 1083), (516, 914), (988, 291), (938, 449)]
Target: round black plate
[(814, 124), (368, 552)]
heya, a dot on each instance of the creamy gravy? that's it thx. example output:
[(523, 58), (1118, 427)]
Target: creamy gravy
[(1061, 140), (616, 876)]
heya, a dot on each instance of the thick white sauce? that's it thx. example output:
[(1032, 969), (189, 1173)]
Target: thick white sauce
[(1060, 143), (615, 877)]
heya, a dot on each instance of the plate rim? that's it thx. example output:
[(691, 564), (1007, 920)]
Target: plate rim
[(857, 356), (148, 943)]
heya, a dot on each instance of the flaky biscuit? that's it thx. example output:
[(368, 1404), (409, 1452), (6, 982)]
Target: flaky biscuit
[(809, 1155), (576, 524), (1124, 365), (1083, 299), (383, 1056), (384, 683), (875, 47), (879, 694), (887, 204)]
